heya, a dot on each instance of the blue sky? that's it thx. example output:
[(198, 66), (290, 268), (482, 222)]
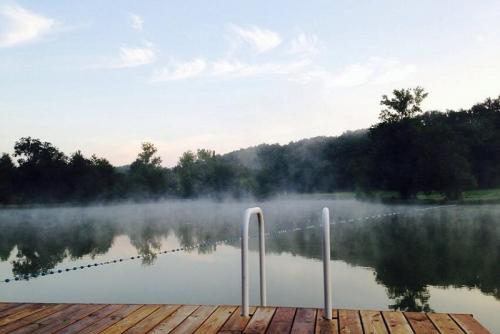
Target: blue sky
[(104, 76)]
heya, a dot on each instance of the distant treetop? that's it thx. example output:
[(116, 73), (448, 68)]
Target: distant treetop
[(404, 104)]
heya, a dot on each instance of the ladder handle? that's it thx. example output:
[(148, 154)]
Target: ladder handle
[(244, 259), (326, 264)]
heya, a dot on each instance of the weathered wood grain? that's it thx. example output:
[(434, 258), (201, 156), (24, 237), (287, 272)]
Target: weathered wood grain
[(89, 319), (282, 321), (260, 320), (324, 326), (468, 324), (111, 319), (167, 325), (59, 320), (22, 312), (420, 323), (396, 323), (194, 321), (444, 323), (350, 322), (304, 321), (373, 323), (31, 318), (130, 320), (20, 318), (237, 323), (216, 320), (148, 323)]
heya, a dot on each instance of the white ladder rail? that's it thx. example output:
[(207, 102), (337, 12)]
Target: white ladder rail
[(244, 259), (327, 290), (325, 217)]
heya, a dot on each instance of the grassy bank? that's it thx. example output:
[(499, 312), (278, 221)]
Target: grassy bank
[(480, 196)]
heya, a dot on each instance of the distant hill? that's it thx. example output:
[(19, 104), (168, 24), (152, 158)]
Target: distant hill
[(248, 157), (123, 169)]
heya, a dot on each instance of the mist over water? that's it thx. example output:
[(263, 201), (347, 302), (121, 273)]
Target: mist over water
[(442, 259)]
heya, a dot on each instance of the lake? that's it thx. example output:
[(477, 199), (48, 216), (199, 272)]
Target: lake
[(444, 259)]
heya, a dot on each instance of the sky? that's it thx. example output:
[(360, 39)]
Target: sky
[(104, 76)]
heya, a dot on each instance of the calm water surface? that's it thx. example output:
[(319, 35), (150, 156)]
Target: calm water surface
[(442, 259)]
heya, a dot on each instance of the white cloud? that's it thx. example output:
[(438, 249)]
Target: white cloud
[(131, 57), (353, 75), (180, 71), (225, 68), (136, 22), (238, 68), (19, 25), (304, 45), (261, 40), (395, 74), (376, 71)]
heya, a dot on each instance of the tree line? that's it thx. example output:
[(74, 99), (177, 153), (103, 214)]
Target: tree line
[(408, 152)]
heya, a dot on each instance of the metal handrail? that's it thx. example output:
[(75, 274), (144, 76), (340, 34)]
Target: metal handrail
[(326, 264), (244, 260)]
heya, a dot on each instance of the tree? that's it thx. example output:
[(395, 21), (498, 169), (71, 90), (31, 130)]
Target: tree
[(405, 104), (79, 177), (274, 173), (106, 179), (90, 179), (394, 156), (41, 170), (7, 179), (146, 174), (185, 169), (148, 155)]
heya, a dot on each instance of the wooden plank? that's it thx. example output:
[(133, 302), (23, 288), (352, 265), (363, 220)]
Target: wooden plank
[(304, 322), (468, 324), (350, 322), (216, 320), (62, 322), (111, 319), (131, 319), (237, 323), (373, 323), (420, 323), (23, 312), (175, 319), (194, 321), (444, 323), (59, 320), (324, 326), (148, 323), (4, 306), (137, 319), (12, 310), (396, 322), (260, 320), (90, 319), (282, 321), (32, 318)]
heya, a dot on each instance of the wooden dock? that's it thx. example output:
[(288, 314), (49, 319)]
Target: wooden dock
[(118, 318)]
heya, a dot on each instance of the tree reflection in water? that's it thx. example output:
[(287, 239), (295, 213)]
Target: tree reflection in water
[(457, 247)]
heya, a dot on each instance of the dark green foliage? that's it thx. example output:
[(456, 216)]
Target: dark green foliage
[(206, 173), (146, 176), (405, 104), (41, 171), (7, 179), (407, 152)]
